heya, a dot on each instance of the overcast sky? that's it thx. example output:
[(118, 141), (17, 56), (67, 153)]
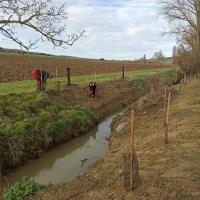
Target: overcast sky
[(115, 29)]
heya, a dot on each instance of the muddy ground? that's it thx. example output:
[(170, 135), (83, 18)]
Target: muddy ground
[(169, 171), (110, 97)]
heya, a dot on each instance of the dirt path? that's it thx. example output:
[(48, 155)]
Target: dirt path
[(167, 171)]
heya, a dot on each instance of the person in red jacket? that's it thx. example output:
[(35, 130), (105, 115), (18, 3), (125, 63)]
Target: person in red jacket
[(41, 76)]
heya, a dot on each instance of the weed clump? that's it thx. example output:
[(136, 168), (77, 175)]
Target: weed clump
[(22, 189)]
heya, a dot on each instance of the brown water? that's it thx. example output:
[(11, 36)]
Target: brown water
[(63, 163)]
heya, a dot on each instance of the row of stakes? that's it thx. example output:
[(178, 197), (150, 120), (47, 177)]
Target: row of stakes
[(69, 75), (130, 162)]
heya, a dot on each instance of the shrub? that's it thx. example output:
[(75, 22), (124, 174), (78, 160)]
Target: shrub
[(21, 189)]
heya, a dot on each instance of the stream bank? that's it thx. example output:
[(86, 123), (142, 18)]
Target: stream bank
[(69, 160), (120, 94), (34, 123)]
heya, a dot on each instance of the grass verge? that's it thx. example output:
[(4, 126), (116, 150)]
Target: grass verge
[(30, 85)]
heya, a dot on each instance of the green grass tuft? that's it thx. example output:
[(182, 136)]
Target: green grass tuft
[(22, 189)]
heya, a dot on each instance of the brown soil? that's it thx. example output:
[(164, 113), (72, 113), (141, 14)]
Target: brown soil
[(16, 67), (110, 96), (167, 171)]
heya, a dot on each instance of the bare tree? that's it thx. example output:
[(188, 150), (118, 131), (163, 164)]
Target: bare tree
[(41, 16), (144, 58), (158, 56), (184, 17), (174, 54)]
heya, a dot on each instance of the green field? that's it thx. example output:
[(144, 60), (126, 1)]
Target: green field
[(30, 85)]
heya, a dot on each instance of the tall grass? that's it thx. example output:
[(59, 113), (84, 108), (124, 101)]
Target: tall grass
[(31, 122)]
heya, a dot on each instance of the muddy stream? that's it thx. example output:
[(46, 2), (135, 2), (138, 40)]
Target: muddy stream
[(65, 162)]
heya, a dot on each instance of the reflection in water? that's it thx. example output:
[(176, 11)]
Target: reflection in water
[(65, 162)]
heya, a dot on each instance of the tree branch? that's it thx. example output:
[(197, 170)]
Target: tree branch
[(42, 17)]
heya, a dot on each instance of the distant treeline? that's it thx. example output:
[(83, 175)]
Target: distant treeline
[(4, 50)]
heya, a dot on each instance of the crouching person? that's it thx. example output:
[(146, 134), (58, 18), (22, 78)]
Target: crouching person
[(41, 77)]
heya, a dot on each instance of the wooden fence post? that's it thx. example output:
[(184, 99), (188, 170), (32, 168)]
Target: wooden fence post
[(134, 169), (167, 120), (130, 162), (132, 147), (68, 76), (122, 72), (164, 106), (176, 80), (56, 72), (180, 86)]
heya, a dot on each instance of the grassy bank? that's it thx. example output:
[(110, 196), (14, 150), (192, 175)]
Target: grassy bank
[(31, 123)]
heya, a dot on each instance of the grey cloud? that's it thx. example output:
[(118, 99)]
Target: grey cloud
[(124, 30)]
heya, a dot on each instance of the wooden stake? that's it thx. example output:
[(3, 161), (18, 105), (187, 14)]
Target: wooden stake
[(180, 86), (168, 103), (165, 99), (176, 77), (122, 72), (167, 120), (56, 72), (68, 76), (95, 76), (132, 148)]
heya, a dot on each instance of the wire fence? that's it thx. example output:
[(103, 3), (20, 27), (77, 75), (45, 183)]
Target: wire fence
[(81, 80)]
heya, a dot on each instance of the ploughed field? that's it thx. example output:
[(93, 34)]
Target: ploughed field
[(15, 67)]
